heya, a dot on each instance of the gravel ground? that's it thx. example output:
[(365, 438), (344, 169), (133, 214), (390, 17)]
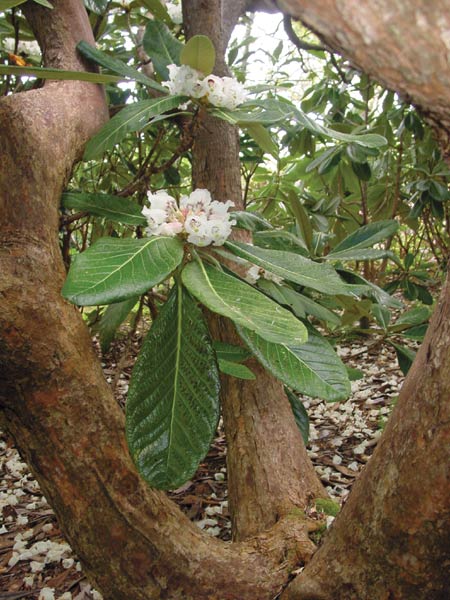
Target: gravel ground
[(37, 563)]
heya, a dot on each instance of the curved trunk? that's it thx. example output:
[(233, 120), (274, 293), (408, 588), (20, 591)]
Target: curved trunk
[(132, 541), (269, 472), (392, 538)]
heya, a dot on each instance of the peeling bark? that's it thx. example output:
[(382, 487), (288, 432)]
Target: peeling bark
[(269, 472)]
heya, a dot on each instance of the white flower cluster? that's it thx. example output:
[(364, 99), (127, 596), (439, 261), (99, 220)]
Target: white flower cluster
[(200, 219), (224, 92)]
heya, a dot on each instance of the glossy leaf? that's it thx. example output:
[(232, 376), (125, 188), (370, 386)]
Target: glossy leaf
[(173, 401), (366, 236), (300, 414), (44, 3), (111, 207), (162, 47), (113, 269), (112, 319), (131, 118), (117, 66), (312, 368), (58, 74), (233, 369), (294, 267), (230, 297), (199, 53), (280, 240)]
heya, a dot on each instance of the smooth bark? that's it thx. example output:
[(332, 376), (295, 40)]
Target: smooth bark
[(269, 472), (132, 541)]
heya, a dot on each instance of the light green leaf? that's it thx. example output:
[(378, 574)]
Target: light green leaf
[(58, 74), (230, 352), (199, 53), (312, 368), (359, 254), (173, 401), (111, 207), (302, 218), (131, 118), (162, 47), (6, 4), (117, 66), (262, 137), (230, 297), (300, 414), (158, 10), (382, 315), (235, 369), (112, 319), (294, 267), (366, 236), (414, 316), (113, 269), (44, 3), (243, 117)]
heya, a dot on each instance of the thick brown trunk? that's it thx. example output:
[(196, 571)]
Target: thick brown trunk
[(132, 541), (392, 540), (269, 472)]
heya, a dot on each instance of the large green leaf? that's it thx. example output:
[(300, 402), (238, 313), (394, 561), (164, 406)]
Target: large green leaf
[(359, 254), (365, 237), (313, 368), (230, 297), (131, 118), (111, 207), (300, 414), (294, 267), (117, 66), (405, 357), (199, 53), (58, 74), (158, 9), (262, 137), (162, 47), (112, 319), (173, 401), (280, 240), (113, 269), (5, 4), (230, 352)]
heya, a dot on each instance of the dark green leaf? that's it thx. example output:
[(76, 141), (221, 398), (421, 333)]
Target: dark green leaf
[(405, 357), (300, 414), (230, 352), (354, 374), (280, 240), (235, 369), (162, 47), (366, 236), (58, 74), (113, 269), (382, 315), (416, 333), (111, 207), (131, 118), (173, 400), (250, 221), (312, 368), (112, 319), (117, 66), (230, 297)]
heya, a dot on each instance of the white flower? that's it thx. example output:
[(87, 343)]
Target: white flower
[(224, 92), (199, 219), (175, 13), (185, 80)]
